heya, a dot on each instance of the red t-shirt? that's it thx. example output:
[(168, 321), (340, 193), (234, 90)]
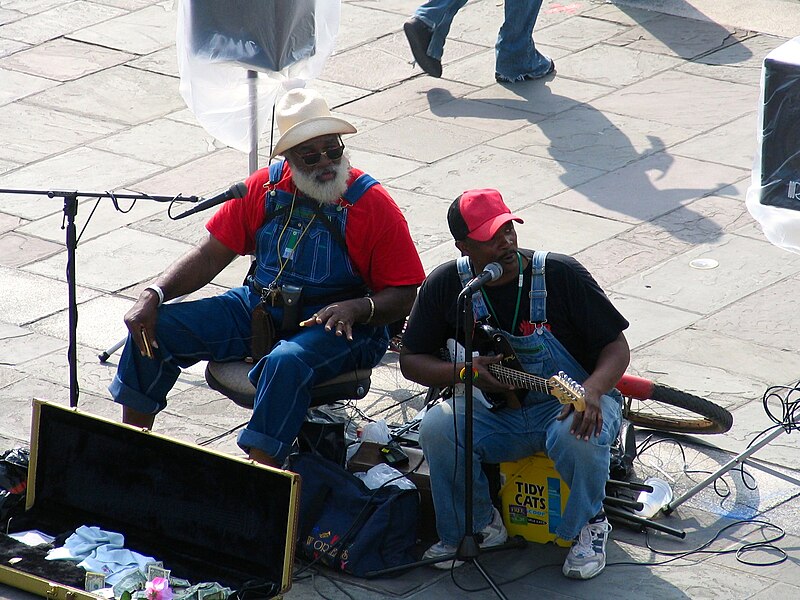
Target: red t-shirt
[(376, 233)]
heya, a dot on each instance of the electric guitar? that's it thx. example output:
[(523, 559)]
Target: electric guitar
[(491, 342)]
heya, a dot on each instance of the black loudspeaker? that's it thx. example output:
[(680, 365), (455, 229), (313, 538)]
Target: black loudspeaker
[(266, 35), (780, 148)]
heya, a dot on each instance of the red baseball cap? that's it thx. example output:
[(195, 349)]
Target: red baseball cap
[(478, 214)]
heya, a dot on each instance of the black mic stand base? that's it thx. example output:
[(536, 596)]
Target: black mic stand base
[(514, 543)]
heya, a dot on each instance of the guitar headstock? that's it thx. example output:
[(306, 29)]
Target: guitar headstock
[(567, 390)]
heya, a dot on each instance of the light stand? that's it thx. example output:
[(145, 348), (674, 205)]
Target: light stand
[(70, 211)]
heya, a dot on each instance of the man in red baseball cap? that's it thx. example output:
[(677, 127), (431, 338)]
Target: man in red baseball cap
[(556, 318)]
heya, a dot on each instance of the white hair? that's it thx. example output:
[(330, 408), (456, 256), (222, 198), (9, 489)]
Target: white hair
[(327, 192)]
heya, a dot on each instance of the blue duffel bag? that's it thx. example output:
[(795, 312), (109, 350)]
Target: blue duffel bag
[(349, 527)]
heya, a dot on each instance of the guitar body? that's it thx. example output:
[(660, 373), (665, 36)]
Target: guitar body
[(489, 341)]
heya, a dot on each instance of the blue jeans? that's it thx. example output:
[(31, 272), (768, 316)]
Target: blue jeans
[(219, 329), (511, 434), (515, 52)]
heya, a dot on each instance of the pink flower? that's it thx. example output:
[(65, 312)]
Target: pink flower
[(158, 589)]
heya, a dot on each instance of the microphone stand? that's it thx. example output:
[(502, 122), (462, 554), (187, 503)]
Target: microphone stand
[(469, 548), (70, 211)]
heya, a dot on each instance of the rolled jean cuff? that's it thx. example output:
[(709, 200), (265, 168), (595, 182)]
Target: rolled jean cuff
[(252, 439), (127, 396)]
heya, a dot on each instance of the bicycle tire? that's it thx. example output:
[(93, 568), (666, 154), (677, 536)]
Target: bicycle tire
[(673, 410)]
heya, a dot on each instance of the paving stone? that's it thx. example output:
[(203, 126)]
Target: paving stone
[(9, 222), (543, 96), (140, 32), (379, 64), (19, 344), (653, 186), (64, 59), (578, 33), (7, 16), (663, 98), (359, 25), (11, 46), (426, 216), (93, 376), (613, 66), (14, 85), (337, 94), (17, 249), (120, 94), (624, 15), (32, 7), (155, 142), (701, 221), (83, 169), (416, 139), (164, 61), (479, 115), (676, 283), (21, 289), (510, 172), (58, 21), (101, 260), (384, 166), (733, 144), (559, 230), (649, 321), (615, 259), (6, 166), (406, 99), (674, 36), (47, 131), (586, 136), (761, 317), (751, 419)]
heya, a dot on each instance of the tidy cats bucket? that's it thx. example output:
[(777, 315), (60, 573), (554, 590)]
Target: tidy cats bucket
[(533, 498)]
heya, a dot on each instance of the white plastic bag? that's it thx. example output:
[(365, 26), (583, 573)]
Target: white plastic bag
[(217, 45), (381, 473)]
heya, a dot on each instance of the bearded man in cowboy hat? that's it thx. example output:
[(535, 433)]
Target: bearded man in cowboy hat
[(321, 231)]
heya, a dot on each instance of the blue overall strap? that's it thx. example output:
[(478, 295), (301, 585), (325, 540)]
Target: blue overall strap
[(275, 171), (356, 189), (479, 308), (538, 288)]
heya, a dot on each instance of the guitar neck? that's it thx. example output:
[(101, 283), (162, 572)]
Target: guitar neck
[(520, 379)]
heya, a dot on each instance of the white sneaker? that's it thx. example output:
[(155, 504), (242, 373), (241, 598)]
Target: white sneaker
[(587, 557), (493, 534)]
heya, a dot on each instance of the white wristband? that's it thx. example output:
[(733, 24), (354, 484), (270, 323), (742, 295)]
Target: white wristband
[(159, 292)]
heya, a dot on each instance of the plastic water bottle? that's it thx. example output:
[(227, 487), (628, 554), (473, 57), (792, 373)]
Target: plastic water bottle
[(656, 500)]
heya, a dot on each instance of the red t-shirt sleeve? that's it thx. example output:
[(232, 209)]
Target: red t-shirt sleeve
[(235, 223), (379, 242)]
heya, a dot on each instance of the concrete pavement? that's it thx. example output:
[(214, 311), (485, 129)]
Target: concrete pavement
[(635, 157)]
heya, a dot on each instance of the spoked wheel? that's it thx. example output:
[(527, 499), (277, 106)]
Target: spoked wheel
[(664, 408)]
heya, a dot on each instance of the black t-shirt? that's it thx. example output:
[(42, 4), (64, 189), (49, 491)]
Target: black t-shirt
[(579, 313)]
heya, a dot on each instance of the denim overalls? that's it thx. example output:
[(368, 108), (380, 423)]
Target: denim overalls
[(219, 328), (511, 434)]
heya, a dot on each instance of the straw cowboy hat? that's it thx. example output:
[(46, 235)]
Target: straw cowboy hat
[(302, 114)]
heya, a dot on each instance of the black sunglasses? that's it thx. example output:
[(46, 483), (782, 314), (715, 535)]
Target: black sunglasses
[(314, 157)]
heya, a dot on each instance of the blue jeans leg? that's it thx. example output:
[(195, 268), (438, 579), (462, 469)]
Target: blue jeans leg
[(284, 379), (439, 15), (515, 52), (497, 437), (584, 466), (209, 329)]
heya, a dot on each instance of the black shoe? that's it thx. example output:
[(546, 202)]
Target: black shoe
[(419, 38), (503, 79)]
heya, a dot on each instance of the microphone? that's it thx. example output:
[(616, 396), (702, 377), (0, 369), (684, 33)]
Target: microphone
[(491, 272), (237, 190)]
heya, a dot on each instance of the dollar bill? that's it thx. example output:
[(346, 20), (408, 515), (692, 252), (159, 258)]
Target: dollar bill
[(154, 571), (132, 582), (94, 581), (177, 582)]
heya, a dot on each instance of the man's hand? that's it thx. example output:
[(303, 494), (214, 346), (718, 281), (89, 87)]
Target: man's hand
[(141, 322), (485, 380), (340, 317), (585, 423)]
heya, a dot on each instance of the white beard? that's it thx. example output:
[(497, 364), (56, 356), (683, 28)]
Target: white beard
[(327, 192)]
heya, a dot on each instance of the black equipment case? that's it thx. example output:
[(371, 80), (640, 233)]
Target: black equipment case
[(206, 515)]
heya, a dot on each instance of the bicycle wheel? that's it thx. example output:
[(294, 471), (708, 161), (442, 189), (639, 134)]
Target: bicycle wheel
[(664, 408)]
